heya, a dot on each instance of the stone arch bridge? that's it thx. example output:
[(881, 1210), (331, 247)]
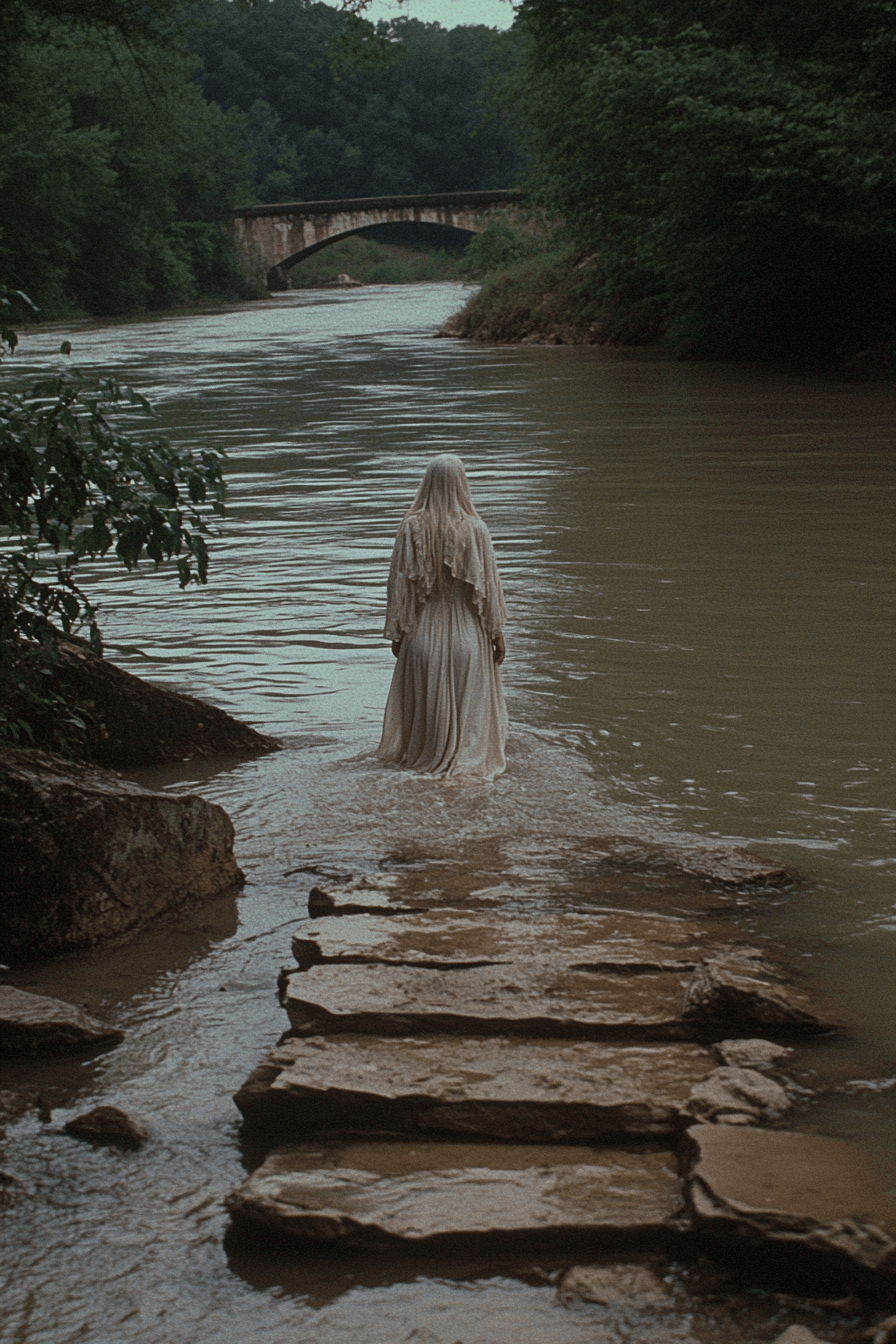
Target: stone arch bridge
[(271, 239)]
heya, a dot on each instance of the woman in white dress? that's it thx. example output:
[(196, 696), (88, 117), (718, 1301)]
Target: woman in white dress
[(445, 616)]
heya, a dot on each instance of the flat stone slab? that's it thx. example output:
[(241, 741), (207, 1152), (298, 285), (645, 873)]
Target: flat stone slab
[(617, 941), (611, 974), (822, 1197), (31, 1022), (523, 999), (420, 1194), (504, 1089)]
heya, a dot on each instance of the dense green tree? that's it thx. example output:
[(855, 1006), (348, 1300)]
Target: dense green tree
[(728, 160), (135, 22), (415, 125), (116, 178)]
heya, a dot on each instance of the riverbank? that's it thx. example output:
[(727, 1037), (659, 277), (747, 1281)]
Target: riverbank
[(555, 297)]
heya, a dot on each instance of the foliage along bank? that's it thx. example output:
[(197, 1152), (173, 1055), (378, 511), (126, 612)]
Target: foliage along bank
[(723, 171), (116, 177)]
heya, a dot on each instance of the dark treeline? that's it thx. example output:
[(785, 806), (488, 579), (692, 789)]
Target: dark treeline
[(417, 125), (723, 169), (128, 130), (115, 172)]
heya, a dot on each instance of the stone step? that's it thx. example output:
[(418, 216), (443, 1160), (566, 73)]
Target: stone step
[(424, 1194), (543, 995), (502, 1089), (802, 1202), (614, 940), (794, 1194), (523, 999)]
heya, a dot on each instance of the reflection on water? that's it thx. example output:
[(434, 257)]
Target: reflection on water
[(698, 565)]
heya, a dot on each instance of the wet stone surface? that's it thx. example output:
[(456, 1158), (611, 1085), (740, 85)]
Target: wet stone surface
[(108, 1125), (614, 1284), (505, 1088), (617, 939), (609, 974), (735, 1096), (36, 1022), (647, 1037), (799, 1193), (366, 1194), (524, 999)]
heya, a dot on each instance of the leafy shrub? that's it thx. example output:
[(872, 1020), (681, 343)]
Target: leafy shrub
[(76, 482)]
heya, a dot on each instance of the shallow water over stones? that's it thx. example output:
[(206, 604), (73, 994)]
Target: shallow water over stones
[(698, 573)]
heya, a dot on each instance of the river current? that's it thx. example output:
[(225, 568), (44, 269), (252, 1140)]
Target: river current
[(698, 562)]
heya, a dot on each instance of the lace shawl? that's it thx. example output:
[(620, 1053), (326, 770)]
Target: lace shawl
[(464, 546)]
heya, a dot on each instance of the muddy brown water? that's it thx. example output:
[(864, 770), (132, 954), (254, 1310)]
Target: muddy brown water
[(699, 570)]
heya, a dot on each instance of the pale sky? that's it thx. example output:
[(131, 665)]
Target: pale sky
[(449, 13)]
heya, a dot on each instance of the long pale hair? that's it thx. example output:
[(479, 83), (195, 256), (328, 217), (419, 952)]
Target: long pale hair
[(442, 531), (440, 519), (444, 491)]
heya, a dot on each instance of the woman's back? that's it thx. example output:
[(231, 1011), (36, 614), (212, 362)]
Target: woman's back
[(445, 714)]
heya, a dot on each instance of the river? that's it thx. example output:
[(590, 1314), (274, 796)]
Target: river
[(698, 562)]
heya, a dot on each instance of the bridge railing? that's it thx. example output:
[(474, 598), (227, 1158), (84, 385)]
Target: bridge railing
[(459, 198)]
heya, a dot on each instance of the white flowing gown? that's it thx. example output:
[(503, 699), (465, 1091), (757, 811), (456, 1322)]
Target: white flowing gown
[(445, 714)]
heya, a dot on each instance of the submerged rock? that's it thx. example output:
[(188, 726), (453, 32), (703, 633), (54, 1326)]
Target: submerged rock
[(723, 865), (729, 995), (752, 1054), (505, 1089), (91, 855), (375, 1194), (731, 866), (33, 1022), (611, 1285), (735, 1096), (108, 1125), (823, 1199)]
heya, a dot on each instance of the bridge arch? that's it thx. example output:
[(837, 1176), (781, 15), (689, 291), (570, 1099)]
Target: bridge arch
[(271, 239)]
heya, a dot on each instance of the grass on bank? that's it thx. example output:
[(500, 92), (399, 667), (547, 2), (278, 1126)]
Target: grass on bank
[(537, 290)]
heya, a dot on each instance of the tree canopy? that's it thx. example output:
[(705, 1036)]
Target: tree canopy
[(116, 177), (729, 160), (417, 124)]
